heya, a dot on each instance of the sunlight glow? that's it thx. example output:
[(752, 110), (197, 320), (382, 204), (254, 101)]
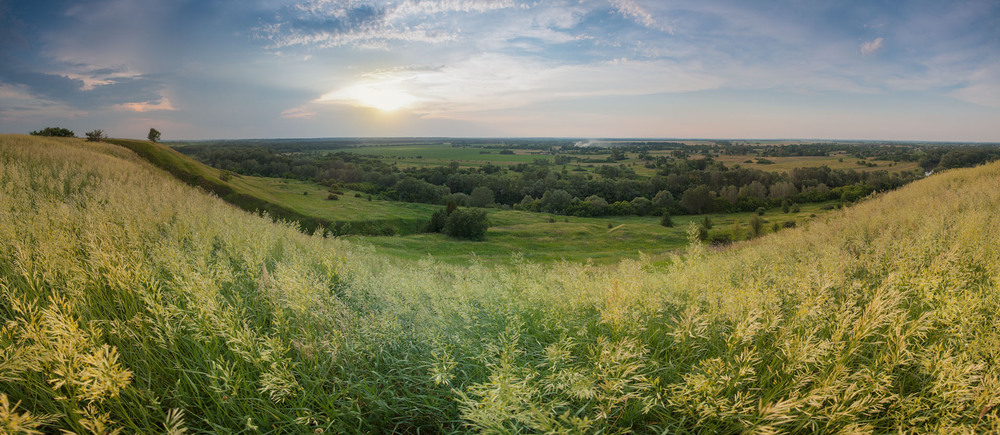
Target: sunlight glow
[(368, 95)]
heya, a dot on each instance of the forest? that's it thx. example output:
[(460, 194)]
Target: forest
[(685, 179)]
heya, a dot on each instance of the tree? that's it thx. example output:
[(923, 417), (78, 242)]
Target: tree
[(556, 201), (54, 132), (96, 135), (598, 206), (755, 189), (641, 205), (481, 196), (154, 135), (663, 199), (467, 224), (697, 200), (783, 190)]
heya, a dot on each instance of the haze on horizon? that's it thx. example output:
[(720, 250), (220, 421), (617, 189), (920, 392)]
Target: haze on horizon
[(880, 70)]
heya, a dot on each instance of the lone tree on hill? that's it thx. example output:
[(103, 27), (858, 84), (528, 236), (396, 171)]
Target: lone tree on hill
[(154, 135), (96, 135)]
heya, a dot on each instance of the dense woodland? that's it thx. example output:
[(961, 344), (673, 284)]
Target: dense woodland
[(688, 180)]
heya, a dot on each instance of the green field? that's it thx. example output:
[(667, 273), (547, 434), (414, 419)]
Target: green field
[(422, 155), (443, 154), (608, 240), (526, 235), (835, 161)]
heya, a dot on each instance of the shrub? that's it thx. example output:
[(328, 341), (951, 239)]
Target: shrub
[(760, 211), (357, 195), (666, 221), (721, 238), (467, 224), (332, 197), (701, 233), (756, 226), (438, 219), (706, 222)]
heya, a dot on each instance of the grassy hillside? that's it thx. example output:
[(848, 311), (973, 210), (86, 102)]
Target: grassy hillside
[(131, 302), (281, 199), (531, 235)]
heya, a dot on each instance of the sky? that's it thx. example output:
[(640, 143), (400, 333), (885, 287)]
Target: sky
[(211, 69)]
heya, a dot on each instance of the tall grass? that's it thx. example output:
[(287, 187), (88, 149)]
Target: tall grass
[(132, 303)]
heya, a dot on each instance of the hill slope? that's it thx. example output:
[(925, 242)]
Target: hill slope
[(131, 301)]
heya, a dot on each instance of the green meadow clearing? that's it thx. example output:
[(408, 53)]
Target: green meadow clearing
[(537, 237), (133, 303), (443, 154)]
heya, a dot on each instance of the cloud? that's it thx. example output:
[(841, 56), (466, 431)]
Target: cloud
[(19, 106), (298, 113), (146, 106), (492, 82), (94, 91), (982, 86), (871, 47), (631, 9), (368, 24)]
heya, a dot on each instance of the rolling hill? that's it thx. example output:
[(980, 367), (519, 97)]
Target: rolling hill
[(132, 302)]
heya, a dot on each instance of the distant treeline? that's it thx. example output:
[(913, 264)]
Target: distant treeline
[(680, 186)]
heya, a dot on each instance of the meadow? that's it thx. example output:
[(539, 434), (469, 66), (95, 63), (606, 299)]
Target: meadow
[(132, 303), (444, 153), (538, 237)]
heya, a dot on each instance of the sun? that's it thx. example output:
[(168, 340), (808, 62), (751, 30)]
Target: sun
[(383, 98)]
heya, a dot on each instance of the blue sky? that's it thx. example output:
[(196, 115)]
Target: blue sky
[(199, 69)]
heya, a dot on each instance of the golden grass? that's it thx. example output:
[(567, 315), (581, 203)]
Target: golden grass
[(132, 303)]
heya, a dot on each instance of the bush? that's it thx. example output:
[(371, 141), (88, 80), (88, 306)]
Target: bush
[(467, 224), (438, 219), (701, 233), (706, 222), (332, 197), (96, 135), (760, 211), (54, 132), (666, 221), (721, 238), (756, 226)]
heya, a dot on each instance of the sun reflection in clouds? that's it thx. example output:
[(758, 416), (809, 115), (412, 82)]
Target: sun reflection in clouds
[(380, 96)]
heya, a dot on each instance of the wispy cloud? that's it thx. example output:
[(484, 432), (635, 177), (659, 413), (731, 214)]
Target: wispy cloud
[(146, 106), (368, 24), (871, 47), (633, 10)]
